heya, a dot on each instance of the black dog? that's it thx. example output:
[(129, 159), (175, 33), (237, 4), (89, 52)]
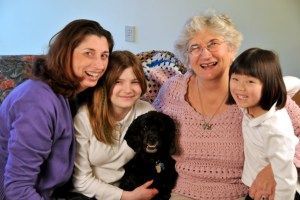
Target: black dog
[(152, 137)]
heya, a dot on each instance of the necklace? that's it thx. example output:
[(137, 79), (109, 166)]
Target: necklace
[(206, 124)]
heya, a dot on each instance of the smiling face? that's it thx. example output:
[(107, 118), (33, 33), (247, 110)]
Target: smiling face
[(214, 58), (247, 91), (125, 92), (90, 59)]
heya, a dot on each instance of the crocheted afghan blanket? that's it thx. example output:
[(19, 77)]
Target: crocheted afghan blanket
[(158, 67)]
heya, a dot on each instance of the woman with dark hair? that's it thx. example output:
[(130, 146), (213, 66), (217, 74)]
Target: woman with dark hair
[(257, 87), (36, 130), (100, 127)]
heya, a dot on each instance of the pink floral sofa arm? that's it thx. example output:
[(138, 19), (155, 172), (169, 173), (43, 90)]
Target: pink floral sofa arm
[(13, 70)]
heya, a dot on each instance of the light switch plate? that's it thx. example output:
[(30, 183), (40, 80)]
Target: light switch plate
[(129, 33)]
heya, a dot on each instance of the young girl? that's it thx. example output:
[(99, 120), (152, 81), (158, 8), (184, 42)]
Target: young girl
[(256, 85), (100, 127)]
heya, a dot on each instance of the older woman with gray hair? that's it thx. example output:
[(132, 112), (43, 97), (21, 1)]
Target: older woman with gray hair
[(210, 157)]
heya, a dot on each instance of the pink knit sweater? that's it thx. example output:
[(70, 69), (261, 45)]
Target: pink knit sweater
[(209, 162)]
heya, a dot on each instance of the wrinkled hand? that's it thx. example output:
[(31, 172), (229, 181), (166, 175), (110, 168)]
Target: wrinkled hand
[(140, 193), (263, 185)]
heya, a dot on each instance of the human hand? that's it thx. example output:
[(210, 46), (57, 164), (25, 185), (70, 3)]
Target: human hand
[(140, 193), (263, 185)]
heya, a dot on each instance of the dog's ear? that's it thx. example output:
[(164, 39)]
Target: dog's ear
[(172, 129), (133, 135)]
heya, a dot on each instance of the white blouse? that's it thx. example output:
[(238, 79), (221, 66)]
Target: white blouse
[(98, 166), (270, 139)]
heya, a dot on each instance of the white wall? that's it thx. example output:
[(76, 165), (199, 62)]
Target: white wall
[(27, 26)]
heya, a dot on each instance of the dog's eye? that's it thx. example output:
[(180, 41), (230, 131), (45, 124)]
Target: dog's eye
[(145, 127)]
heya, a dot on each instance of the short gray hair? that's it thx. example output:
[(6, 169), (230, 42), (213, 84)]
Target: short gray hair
[(219, 23)]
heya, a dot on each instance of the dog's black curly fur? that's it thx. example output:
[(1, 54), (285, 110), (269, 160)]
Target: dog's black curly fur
[(152, 137)]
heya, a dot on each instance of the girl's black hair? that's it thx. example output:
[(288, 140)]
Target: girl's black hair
[(265, 66)]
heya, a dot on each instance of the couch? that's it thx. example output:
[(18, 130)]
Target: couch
[(158, 67)]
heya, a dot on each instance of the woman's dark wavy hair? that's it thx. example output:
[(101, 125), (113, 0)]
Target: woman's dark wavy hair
[(55, 68), (265, 66)]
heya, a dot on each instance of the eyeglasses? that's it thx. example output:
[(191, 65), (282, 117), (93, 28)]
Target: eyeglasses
[(197, 50)]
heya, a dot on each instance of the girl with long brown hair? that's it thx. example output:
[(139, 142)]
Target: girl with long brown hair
[(101, 125)]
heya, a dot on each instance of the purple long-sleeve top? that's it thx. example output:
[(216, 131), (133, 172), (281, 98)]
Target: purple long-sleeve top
[(36, 142)]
